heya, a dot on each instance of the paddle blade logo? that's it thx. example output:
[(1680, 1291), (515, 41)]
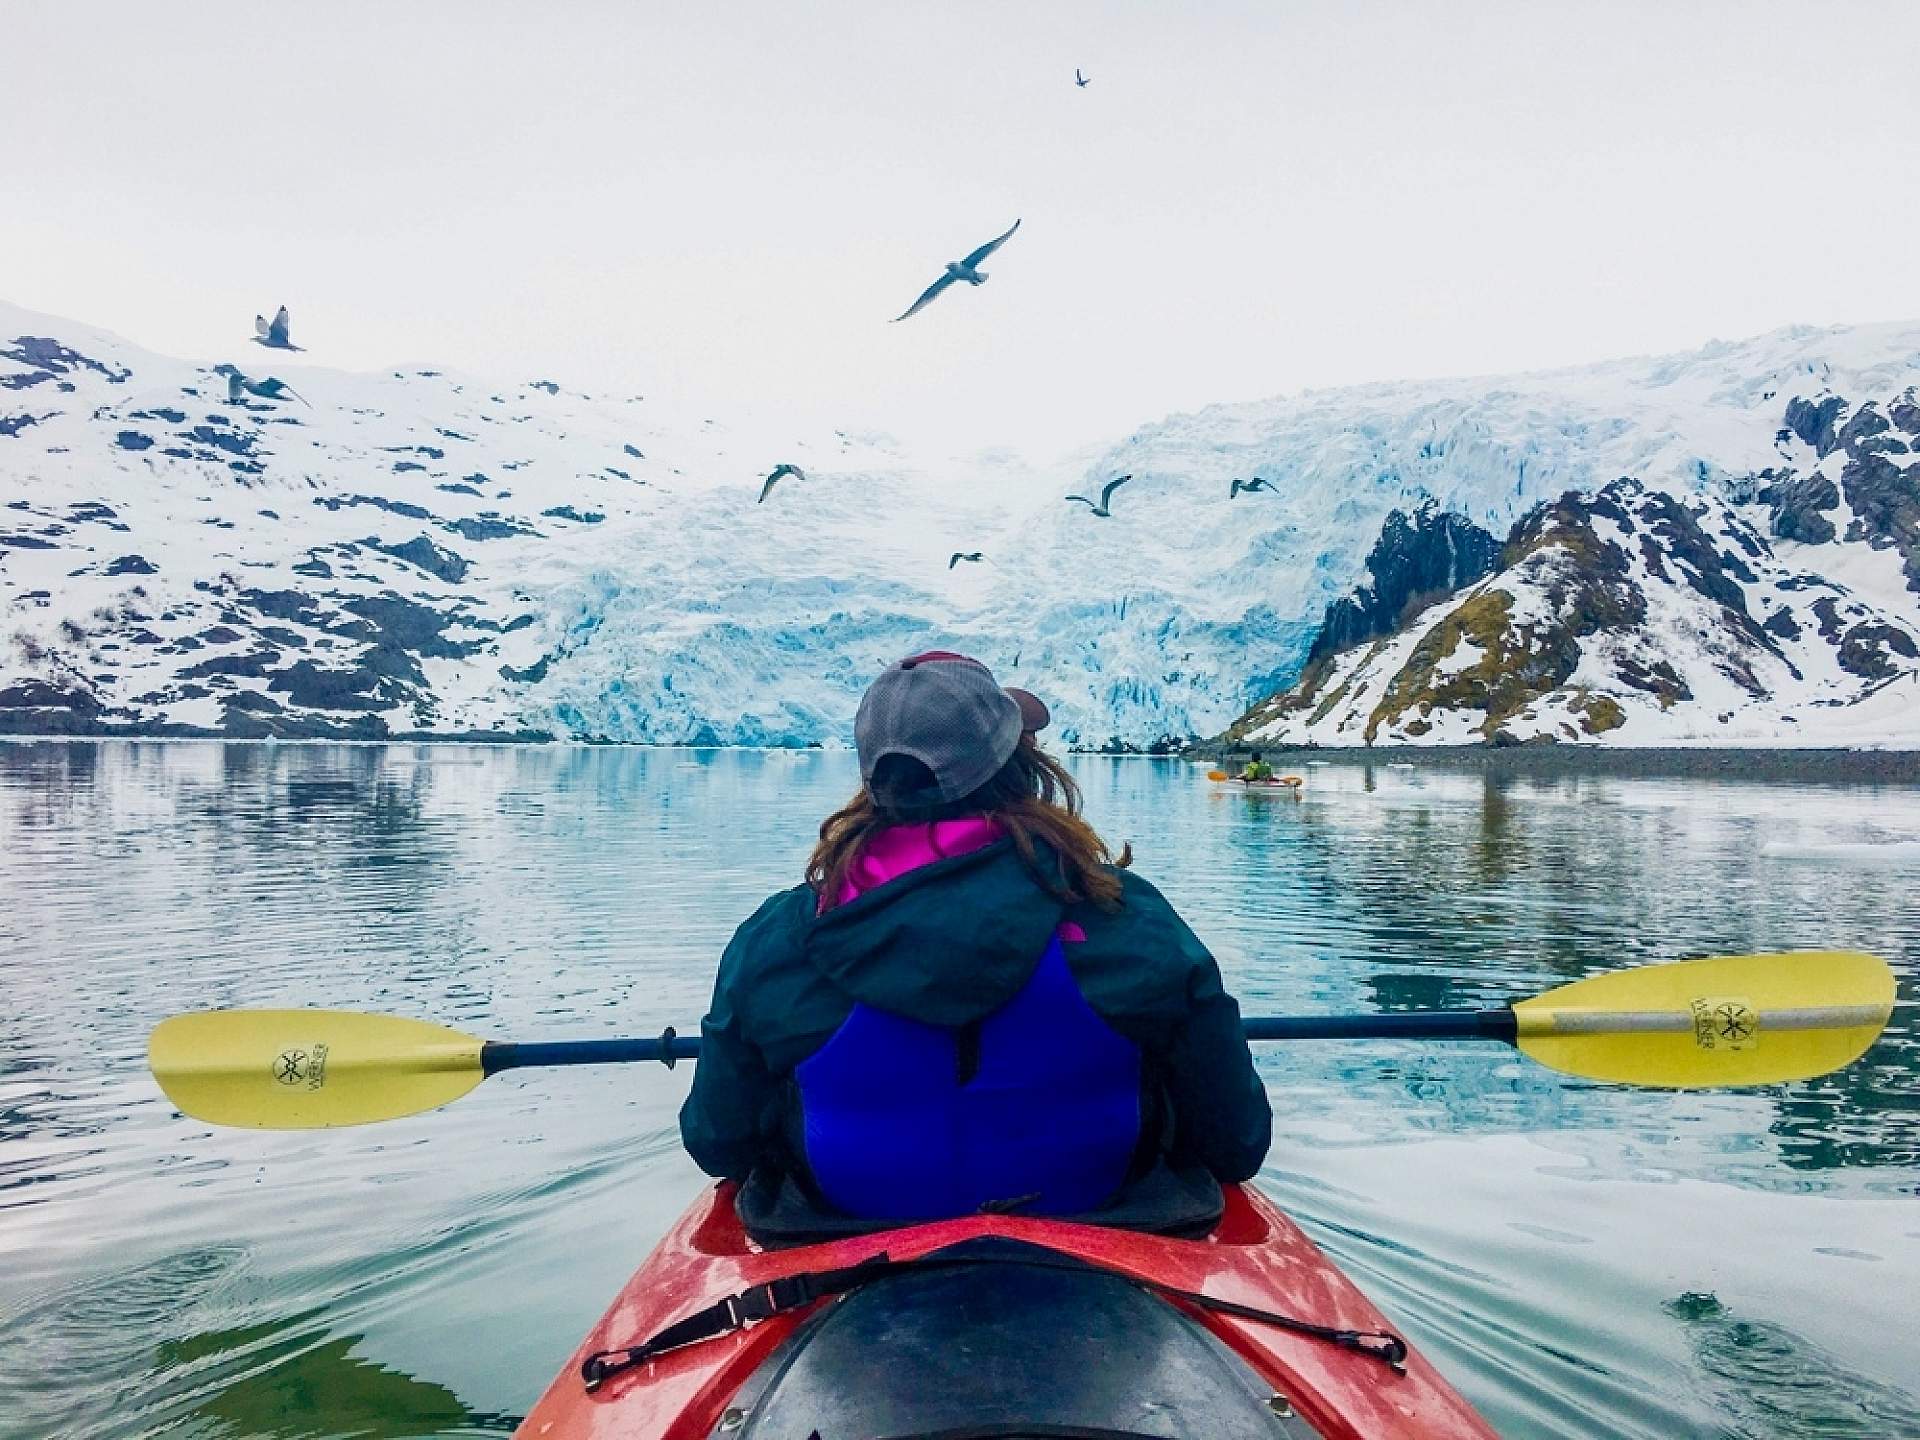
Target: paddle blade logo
[(306, 1068), (1724, 1022)]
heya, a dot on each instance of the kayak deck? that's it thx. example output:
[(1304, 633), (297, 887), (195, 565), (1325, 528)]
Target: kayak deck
[(1256, 1256)]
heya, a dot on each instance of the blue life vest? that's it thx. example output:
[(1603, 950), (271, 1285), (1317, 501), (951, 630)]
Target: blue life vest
[(1049, 1117)]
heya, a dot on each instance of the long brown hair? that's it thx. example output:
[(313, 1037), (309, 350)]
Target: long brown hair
[(1032, 797)]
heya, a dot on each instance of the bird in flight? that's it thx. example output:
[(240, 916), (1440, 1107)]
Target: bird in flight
[(780, 472), (273, 335), (973, 555), (1254, 484), (1081, 80), (271, 388), (1106, 495), (958, 270)]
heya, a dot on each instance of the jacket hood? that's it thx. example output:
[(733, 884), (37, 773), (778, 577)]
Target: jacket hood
[(948, 943)]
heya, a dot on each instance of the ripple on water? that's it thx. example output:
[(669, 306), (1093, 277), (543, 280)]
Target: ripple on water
[(428, 1277)]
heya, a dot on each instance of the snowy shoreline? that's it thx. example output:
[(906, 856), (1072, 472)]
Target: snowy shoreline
[(1696, 762), (1700, 762)]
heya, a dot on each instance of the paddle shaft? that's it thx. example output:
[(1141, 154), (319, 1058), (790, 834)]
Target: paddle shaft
[(1497, 1024)]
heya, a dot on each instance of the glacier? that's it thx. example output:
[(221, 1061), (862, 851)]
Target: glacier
[(429, 553)]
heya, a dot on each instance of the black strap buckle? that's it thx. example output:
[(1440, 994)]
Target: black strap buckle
[(764, 1301)]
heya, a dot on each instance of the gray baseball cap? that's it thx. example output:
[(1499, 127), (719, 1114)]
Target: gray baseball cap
[(946, 711)]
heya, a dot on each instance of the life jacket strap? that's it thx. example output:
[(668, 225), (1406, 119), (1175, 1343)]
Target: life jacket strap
[(791, 1292)]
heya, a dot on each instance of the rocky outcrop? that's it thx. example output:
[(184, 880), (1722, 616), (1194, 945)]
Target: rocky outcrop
[(1418, 559), (1631, 614)]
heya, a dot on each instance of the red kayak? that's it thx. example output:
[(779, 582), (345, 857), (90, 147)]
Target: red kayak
[(996, 1327)]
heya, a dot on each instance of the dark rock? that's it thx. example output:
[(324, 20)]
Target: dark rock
[(633, 451), (546, 385), (132, 565), (161, 412), (1416, 561), (408, 625), (14, 424), (27, 542), (39, 695), (397, 507), (1906, 415), (1814, 423), (315, 687), (1886, 508), (1826, 612), (488, 527), (1795, 507), (314, 567), (1864, 650), (254, 666), (1782, 623), (1860, 432), (423, 553), (530, 675), (289, 605), (567, 512), (252, 701), (458, 489), (133, 440), (401, 467), (233, 442), (50, 357)]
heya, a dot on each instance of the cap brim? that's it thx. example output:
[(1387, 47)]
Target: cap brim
[(1034, 714)]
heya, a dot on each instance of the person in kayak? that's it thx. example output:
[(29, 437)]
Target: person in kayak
[(1256, 770), (967, 1006)]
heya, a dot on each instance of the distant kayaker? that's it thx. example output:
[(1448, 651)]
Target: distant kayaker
[(1256, 771), (968, 1006)]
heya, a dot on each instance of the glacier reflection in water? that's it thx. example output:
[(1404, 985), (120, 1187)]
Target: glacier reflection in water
[(427, 1277)]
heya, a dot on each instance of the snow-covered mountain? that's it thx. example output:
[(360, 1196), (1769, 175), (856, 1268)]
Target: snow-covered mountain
[(1786, 611), (420, 551)]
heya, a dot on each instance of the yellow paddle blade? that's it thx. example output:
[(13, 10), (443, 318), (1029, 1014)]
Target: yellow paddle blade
[(1732, 1020), (1218, 775), (307, 1069)]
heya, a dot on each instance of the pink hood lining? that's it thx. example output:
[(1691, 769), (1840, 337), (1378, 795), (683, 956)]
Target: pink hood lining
[(898, 849)]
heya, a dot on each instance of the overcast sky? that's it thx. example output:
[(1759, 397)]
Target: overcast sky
[(735, 199)]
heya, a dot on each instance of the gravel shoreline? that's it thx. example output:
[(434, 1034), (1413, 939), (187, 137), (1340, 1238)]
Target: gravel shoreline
[(1832, 766)]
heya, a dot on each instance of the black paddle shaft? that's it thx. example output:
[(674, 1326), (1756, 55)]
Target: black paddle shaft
[(1497, 1024), (670, 1047)]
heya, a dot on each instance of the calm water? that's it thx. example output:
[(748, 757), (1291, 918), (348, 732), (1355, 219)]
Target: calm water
[(1582, 1260)]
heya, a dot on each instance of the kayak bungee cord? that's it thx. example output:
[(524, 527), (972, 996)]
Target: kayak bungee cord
[(792, 1292)]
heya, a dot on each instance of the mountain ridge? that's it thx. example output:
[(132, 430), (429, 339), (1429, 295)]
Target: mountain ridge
[(426, 552)]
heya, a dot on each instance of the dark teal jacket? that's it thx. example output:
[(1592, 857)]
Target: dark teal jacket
[(948, 944)]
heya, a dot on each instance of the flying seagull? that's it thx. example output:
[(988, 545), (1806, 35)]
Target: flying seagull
[(273, 336), (958, 270), (973, 555), (1081, 80), (1106, 494), (1254, 484), (780, 472), (271, 388)]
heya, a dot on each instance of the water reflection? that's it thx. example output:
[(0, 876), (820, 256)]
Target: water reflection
[(1760, 1380), (527, 893)]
